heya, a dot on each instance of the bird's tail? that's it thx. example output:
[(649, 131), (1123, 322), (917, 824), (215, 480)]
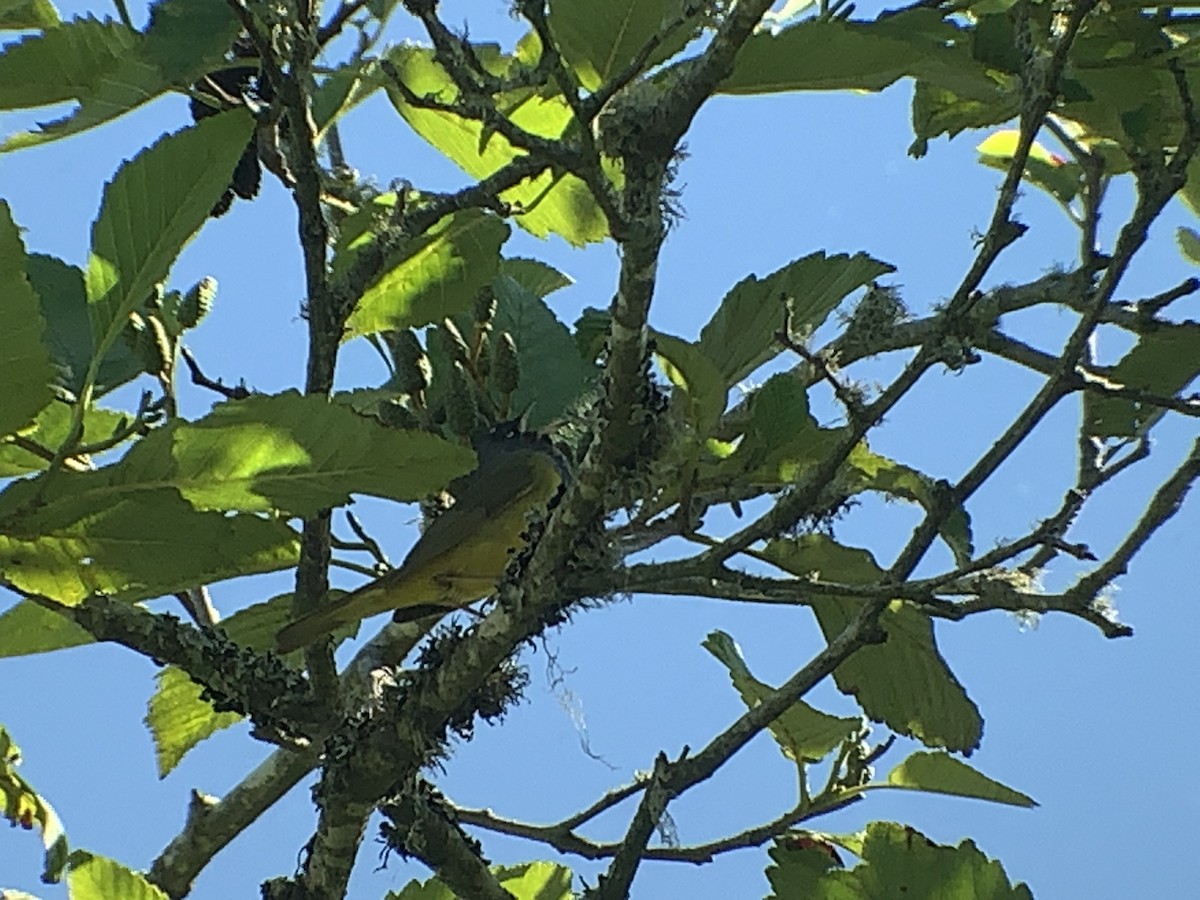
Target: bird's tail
[(310, 628), (348, 609)]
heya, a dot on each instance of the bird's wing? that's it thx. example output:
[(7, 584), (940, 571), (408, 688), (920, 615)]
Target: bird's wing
[(507, 482)]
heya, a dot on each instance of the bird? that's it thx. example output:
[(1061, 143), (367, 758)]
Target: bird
[(463, 553)]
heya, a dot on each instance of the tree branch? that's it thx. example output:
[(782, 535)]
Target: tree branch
[(209, 829)]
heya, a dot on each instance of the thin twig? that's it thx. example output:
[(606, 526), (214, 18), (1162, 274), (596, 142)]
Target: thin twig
[(241, 392)]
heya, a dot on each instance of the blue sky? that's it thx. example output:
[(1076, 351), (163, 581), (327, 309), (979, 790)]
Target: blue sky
[(1094, 730)]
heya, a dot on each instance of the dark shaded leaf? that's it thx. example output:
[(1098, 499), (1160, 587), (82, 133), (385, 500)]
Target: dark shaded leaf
[(903, 682), (25, 371), (805, 734), (741, 335)]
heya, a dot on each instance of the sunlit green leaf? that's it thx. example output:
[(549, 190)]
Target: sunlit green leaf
[(27, 628), (1189, 244), (98, 878), (529, 881), (781, 438), (1136, 105), (937, 110), (48, 431), (1052, 173), (342, 90), (22, 14), (868, 471), (832, 54), (62, 63), (179, 719), (536, 881), (110, 69), (136, 547), (897, 861), (940, 773), (556, 203), (23, 807), (286, 452), (177, 715), (434, 276)]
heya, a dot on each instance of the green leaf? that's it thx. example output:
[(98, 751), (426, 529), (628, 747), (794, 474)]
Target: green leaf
[(938, 110), (49, 430), (85, 540), (553, 202), (179, 719), (528, 881), (868, 471), (1136, 105), (798, 865), (25, 372), (1189, 244), (186, 37), (805, 734), (740, 337), (940, 773), (591, 331), (134, 84), (63, 63), (781, 440), (553, 374), (535, 276), (27, 628), (819, 55), (177, 716), (1163, 362), (536, 881), (831, 55), (134, 529), (69, 330), (287, 452), (24, 807), (99, 878), (903, 682), (897, 861), (435, 275), (1053, 174), (1190, 194), (342, 90), (110, 69), (433, 889), (21, 14), (150, 210), (695, 377), (599, 40)]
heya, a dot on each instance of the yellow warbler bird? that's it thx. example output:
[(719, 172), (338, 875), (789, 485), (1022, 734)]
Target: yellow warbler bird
[(463, 553)]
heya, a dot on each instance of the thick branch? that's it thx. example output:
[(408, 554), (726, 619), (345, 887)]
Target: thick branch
[(276, 698), (421, 825), (211, 828)]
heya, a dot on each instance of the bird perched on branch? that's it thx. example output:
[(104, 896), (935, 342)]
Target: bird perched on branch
[(464, 551)]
